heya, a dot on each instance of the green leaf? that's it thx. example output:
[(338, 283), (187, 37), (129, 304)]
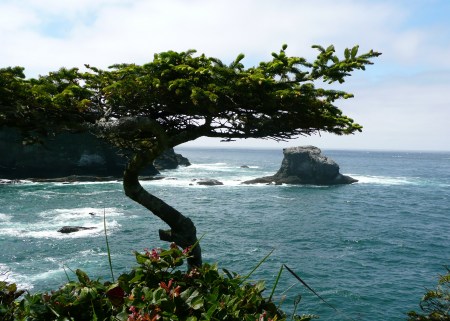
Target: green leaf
[(354, 51), (210, 311), (347, 53), (320, 48), (82, 277), (159, 295), (195, 300), (197, 303)]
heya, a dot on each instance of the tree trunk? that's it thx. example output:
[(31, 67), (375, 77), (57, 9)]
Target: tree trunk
[(182, 229)]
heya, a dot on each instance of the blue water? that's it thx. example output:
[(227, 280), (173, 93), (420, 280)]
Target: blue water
[(370, 249)]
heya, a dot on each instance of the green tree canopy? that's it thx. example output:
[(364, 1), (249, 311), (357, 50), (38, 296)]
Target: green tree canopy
[(179, 97)]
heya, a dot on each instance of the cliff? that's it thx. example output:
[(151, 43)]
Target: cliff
[(67, 154)]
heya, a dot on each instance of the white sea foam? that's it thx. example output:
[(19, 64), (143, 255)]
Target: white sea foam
[(4, 218), (15, 181), (87, 183), (51, 259), (46, 275), (9, 276), (52, 233), (4, 272), (224, 167), (91, 252), (209, 166), (283, 198), (83, 214), (384, 180), (51, 221), (192, 182)]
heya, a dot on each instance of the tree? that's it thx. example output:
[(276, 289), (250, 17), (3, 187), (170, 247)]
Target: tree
[(179, 97)]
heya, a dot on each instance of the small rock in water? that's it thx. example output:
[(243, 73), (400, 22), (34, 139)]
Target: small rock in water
[(72, 229), (209, 182)]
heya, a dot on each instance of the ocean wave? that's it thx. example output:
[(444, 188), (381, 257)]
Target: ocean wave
[(16, 181), (282, 197), (91, 252), (192, 182), (49, 230), (5, 217), (217, 167), (384, 180), (87, 183), (82, 213), (4, 272), (7, 275), (49, 194), (46, 275), (206, 165)]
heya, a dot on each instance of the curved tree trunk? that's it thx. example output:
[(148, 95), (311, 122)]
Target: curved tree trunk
[(182, 229)]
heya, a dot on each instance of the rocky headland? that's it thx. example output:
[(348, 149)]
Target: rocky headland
[(73, 155), (305, 165)]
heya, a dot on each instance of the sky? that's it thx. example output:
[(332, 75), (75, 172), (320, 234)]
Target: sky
[(402, 101)]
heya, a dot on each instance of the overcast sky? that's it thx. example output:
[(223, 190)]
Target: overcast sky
[(403, 100)]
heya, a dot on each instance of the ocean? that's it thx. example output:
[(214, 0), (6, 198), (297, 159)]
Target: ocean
[(369, 249)]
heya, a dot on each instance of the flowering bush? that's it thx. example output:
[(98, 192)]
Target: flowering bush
[(154, 290)]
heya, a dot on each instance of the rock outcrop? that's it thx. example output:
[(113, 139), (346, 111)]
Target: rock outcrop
[(209, 182), (69, 154), (72, 229), (305, 165), (170, 160)]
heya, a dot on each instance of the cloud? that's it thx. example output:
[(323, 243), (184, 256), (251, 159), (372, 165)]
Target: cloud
[(106, 32), (396, 99)]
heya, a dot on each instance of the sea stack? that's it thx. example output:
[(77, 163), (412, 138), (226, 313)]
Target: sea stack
[(306, 165)]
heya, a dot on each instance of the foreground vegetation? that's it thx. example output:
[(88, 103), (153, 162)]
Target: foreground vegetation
[(435, 304), (156, 289)]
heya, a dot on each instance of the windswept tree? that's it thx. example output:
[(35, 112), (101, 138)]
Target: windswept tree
[(179, 97)]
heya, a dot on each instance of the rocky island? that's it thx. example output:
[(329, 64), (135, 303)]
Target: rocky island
[(305, 165)]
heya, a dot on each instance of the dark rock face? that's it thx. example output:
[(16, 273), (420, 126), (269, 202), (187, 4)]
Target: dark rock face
[(209, 182), (67, 154), (170, 160), (72, 229), (306, 165)]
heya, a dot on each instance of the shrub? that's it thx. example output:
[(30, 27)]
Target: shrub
[(154, 290), (435, 304), (8, 295)]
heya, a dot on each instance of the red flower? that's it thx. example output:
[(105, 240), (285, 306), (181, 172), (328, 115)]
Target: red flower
[(153, 254), (173, 293), (166, 286), (136, 316)]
